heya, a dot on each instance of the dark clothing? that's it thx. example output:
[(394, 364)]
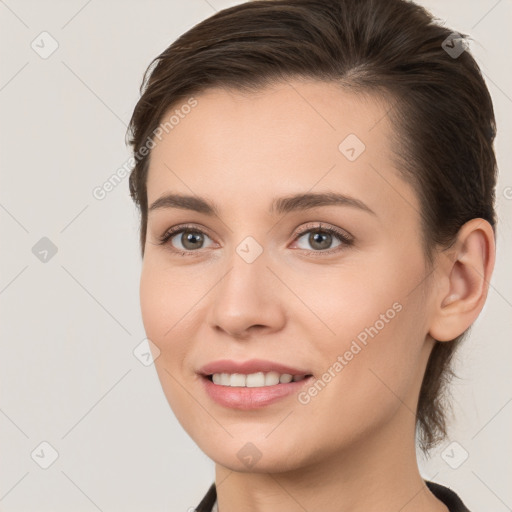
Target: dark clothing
[(442, 493), (447, 496)]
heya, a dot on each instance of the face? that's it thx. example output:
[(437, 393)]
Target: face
[(331, 286)]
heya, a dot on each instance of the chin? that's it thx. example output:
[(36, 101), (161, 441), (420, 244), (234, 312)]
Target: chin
[(269, 461), (250, 451)]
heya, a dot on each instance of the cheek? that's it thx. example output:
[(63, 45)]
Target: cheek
[(167, 298), (172, 314), (153, 304), (374, 361), (166, 304), (365, 385), (164, 315)]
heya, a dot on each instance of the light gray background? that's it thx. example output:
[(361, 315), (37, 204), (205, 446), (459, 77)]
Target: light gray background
[(69, 326)]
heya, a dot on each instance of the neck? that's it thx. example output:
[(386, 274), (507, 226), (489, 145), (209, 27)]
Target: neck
[(378, 473)]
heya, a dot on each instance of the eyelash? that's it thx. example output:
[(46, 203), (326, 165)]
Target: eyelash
[(344, 239)]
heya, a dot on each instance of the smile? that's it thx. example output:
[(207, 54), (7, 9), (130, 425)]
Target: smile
[(254, 380)]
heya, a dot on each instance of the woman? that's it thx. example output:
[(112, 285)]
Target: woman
[(316, 185)]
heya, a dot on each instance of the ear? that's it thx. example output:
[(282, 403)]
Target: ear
[(463, 275)]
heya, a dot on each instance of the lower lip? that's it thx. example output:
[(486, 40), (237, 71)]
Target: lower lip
[(251, 398)]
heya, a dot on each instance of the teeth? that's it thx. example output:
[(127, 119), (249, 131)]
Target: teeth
[(271, 378), (237, 380), (254, 380)]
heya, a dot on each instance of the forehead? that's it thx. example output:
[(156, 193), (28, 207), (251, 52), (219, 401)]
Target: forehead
[(243, 149)]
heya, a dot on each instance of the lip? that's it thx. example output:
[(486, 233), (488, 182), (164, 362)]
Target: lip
[(254, 397), (250, 366), (251, 398)]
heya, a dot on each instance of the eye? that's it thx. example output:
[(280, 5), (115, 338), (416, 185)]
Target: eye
[(190, 238), (320, 238), (187, 240)]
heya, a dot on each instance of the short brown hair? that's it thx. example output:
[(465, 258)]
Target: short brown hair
[(441, 110)]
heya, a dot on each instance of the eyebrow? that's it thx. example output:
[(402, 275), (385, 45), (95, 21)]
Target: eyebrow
[(279, 205)]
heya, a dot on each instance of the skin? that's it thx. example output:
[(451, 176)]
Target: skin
[(352, 447)]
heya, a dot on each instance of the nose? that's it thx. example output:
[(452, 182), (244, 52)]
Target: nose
[(248, 300)]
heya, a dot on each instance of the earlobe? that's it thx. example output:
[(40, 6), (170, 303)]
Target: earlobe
[(465, 277)]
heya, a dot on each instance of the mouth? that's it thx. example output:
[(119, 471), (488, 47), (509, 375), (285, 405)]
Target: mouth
[(251, 384)]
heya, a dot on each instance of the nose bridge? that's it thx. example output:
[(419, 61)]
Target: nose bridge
[(247, 294), (247, 277), (246, 258)]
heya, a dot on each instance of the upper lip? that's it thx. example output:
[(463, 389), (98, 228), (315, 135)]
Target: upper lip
[(250, 366)]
